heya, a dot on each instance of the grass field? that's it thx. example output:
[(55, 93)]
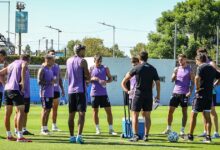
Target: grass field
[(60, 140)]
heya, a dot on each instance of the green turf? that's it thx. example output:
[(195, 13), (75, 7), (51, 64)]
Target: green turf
[(60, 140)]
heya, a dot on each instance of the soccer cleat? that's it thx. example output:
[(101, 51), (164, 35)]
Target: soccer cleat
[(190, 137), (182, 133), (73, 139), (98, 132), (26, 132), (112, 132), (135, 138), (23, 140), (79, 140), (145, 138), (11, 138), (56, 129), (202, 135), (215, 136), (207, 139), (45, 132), (167, 131)]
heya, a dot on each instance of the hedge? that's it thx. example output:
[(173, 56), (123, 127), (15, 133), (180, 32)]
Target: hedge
[(36, 60)]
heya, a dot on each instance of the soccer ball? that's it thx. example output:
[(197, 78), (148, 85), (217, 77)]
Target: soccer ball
[(173, 137)]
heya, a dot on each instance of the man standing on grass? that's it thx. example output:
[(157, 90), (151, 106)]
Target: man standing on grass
[(59, 84), (99, 73), (3, 55), (78, 73), (145, 75), (214, 114), (184, 84), (204, 79), (26, 105), (14, 94), (46, 81)]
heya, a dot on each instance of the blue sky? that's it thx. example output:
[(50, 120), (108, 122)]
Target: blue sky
[(78, 19)]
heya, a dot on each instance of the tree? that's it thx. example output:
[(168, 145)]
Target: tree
[(94, 46), (27, 49), (138, 48), (196, 26)]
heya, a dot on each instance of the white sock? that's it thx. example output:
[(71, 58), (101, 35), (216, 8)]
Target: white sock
[(79, 136), (20, 134), (182, 129), (204, 131), (215, 132), (72, 137), (8, 133), (54, 125), (24, 129), (168, 127), (16, 130), (110, 127), (97, 127)]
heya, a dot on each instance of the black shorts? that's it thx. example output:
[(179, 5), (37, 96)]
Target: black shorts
[(214, 101), (1, 94), (56, 95), (47, 103), (179, 99), (27, 105), (77, 102), (142, 103), (202, 101), (102, 101), (13, 97)]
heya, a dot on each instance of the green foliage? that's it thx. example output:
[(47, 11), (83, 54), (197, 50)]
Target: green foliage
[(196, 26), (36, 60), (94, 46)]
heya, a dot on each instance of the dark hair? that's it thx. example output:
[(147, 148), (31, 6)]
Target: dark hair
[(143, 56), (201, 50), (182, 56), (78, 47), (97, 57), (201, 58), (134, 60), (25, 57), (3, 52), (51, 50)]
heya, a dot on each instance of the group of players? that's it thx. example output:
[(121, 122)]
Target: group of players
[(142, 77), (15, 83)]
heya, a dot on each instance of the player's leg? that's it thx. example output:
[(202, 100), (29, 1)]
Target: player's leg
[(105, 103), (19, 120), (174, 103), (208, 125), (8, 112), (46, 108), (193, 119), (136, 106), (95, 108), (214, 117), (55, 111), (81, 109), (184, 120), (147, 124), (26, 112)]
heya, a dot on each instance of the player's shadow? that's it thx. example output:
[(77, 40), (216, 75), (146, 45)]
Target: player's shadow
[(137, 144)]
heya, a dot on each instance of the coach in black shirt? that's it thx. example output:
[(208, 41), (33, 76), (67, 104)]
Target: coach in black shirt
[(205, 76), (145, 75)]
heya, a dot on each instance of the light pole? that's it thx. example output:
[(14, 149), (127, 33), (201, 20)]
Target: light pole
[(59, 31), (113, 27), (174, 47), (20, 6), (217, 44), (8, 41)]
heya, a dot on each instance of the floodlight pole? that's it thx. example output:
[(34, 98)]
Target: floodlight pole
[(217, 44), (113, 27), (174, 47), (59, 31)]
